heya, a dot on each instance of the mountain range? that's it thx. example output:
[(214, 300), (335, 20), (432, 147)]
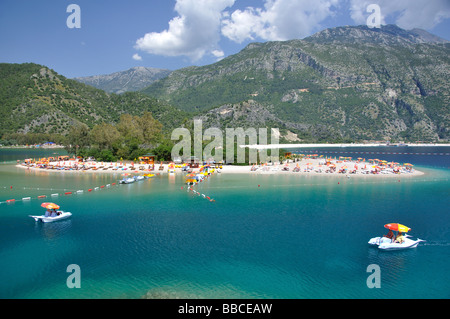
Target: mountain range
[(130, 80), (352, 83), (348, 83)]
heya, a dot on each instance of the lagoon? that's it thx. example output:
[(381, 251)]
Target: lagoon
[(295, 236)]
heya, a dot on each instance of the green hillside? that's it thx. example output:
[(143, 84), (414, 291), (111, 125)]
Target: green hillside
[(35, 99)]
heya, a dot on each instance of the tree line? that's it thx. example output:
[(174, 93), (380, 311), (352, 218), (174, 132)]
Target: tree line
[(131, 137)]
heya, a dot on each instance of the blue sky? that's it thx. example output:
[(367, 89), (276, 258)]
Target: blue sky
[(118, 35)]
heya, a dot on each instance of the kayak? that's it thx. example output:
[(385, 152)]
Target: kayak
[(62, 215)]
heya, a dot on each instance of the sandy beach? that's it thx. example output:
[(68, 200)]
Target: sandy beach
[(316, 167), (307, 166)]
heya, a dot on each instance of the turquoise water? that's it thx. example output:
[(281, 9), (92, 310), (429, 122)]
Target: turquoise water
[(295, 236)]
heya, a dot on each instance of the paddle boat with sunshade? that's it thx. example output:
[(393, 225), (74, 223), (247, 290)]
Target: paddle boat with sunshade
[(52, 214), (397, 238)]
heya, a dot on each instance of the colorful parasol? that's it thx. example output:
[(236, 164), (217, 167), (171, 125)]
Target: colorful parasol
[(50, 205), (397, 227)]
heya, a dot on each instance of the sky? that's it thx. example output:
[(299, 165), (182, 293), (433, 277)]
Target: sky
[(106, 36)]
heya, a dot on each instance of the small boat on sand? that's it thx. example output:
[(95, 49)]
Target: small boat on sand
[(395, 241)]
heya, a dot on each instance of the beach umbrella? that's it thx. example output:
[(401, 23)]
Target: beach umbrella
[(50, 205), (397, 227)]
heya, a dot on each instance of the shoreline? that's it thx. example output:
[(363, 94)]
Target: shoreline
[(32, 147), (286, 146), (316, 169), (306, 167), (269, 146)]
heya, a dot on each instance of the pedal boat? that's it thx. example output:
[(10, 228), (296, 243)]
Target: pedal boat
[(127, 180), (61, 215), (386, 243)]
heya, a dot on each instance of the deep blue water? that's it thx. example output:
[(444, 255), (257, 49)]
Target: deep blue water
[(295, 236)]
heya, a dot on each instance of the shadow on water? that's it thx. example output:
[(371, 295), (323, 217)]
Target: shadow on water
[(53, 230)]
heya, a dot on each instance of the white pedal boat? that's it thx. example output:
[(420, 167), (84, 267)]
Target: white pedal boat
[(127, 180), (387, 244), (394, 242), (62, 215)]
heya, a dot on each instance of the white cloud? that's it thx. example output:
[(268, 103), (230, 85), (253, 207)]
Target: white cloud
[(407, 14), (199, 24), (279, 20), (137, 57), (218, 53), (193, 33)]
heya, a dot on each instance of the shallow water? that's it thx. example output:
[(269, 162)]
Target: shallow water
[(294, 236)]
